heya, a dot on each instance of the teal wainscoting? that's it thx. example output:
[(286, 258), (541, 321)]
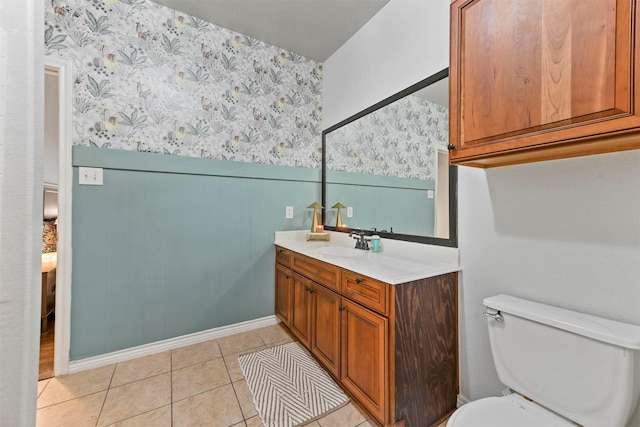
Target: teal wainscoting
[(376, 199), (174, 245)]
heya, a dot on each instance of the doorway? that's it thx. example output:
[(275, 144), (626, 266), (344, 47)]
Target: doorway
[(56, 258)]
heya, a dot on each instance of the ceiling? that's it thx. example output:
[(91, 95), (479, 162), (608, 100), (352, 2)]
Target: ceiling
[(311, 28)]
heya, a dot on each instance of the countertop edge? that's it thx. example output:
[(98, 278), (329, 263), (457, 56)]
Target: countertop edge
[(424, 271)]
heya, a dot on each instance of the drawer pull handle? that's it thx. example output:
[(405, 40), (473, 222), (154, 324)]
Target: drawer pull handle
[(358, 281)]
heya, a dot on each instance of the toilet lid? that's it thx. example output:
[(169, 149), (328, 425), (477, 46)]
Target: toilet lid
[(508, 411)]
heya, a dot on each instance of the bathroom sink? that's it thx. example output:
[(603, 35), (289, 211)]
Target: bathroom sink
[(340, 251)]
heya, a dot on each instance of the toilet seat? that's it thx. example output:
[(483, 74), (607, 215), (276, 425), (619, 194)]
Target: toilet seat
[(507, 411)]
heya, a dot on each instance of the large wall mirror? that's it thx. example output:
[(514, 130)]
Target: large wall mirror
[(389, 166)]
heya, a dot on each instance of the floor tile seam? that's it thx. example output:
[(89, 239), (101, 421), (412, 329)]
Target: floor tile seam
[(70, 400), (44, 388), (115, 366), (196, 363), (138, 380), (171, 388), (141, 413), (203, 392), (244, 418)]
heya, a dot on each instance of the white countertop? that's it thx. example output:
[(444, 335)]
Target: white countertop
[(398, 262)]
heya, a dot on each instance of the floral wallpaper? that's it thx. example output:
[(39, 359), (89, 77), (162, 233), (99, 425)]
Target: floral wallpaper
[(148, 78), (49, 236), (400, 139)]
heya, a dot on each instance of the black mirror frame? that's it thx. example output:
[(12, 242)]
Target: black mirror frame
[(452, 240)]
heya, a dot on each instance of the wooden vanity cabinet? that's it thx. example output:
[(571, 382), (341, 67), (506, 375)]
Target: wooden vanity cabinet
[(284, 294), (535, 80), (393, 348), (300, 323), (364, 358), (325, 328)]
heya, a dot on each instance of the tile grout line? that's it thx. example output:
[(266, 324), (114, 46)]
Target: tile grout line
[(171, 385), (106, 394)]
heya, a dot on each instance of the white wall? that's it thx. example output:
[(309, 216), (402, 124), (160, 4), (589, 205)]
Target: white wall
[(564, 232), (405, 42), (21, 146)]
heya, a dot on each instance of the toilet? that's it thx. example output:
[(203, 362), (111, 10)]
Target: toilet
[(564, 368)]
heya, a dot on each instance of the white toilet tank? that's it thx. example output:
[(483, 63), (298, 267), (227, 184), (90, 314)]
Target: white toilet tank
[(583, 367)]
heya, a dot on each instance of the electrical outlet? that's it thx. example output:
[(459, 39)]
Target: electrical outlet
[(288, 212), (429, 194), (89, 176), (349, 212)]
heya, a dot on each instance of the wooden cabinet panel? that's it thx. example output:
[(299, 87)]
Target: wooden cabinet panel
[(364, 357), (301, 311), (528, 75), (365, 290), (284, 294), (318, 271), (325, 328), (283, 256), (425, 350)]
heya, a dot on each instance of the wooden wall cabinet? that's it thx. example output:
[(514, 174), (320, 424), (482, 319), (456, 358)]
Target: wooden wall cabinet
[(393, 348), (535, 80)]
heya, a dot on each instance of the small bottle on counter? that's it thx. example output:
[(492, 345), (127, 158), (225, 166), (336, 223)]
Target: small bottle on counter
[(375, 243)]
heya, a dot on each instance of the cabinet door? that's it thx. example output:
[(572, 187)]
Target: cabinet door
[(364, 357), (325, 328), (301, 310), (532, 73), (283, 293)]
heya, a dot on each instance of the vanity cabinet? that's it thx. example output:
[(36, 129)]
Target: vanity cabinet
[(284, 294), (364, 359), (535, 80), (300, 323), (393, 348), (325, 328)]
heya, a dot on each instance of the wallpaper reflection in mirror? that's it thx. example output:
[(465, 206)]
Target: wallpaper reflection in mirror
[(391, 166)]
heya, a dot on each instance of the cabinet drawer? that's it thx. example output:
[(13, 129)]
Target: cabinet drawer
[(318, 271), (283, 256), (366, 291)]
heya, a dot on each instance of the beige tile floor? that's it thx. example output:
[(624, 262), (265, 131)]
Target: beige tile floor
[(196, 385)]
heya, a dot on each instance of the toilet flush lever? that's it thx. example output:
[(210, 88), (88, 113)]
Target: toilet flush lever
[(497, 316)]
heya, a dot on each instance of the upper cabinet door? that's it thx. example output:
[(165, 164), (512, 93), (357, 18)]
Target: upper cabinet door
[(541, 79)]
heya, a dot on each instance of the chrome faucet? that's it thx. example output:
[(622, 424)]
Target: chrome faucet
[(361, 242)]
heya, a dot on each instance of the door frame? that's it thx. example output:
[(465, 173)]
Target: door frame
[(62, 338)]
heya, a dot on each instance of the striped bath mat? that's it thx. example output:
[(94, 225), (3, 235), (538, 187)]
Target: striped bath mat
[(289, 388)]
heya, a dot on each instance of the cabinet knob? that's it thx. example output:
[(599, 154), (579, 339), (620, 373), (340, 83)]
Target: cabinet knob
[(451, 147), (311, 291), (342, 308), (307, 289), (358, 281)]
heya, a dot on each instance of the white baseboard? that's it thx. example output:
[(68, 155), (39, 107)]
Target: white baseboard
[(168, 344)]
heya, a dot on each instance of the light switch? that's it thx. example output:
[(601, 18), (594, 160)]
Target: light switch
[(288, 212), (349, 211), (429, 194), (89, 176)]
